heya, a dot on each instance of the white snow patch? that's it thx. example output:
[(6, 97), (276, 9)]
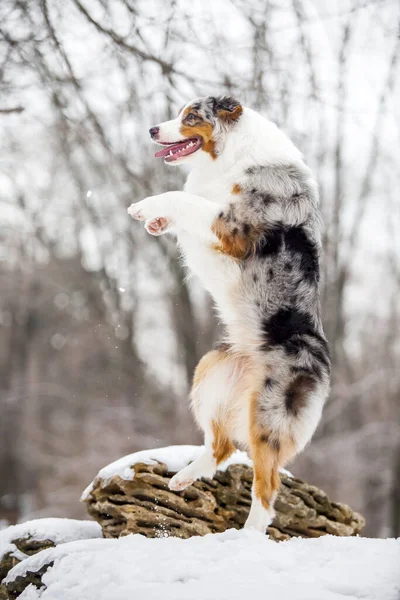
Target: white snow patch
[(175, 457), (59, 531), (227, 566)]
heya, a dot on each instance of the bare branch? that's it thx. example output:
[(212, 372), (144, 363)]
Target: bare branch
[(14, 109)]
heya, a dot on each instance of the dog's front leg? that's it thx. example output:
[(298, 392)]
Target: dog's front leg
[(174, 211)]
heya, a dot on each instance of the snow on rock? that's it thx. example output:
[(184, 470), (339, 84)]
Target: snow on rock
[(229, 566), (175, 457), (59, 531)]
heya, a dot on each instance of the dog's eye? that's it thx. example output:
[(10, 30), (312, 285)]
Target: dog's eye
[(191, 118)]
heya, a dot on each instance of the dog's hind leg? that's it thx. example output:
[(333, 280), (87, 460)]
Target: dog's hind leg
[(218, 377), (269, 450), (283, 417), (265, 485)]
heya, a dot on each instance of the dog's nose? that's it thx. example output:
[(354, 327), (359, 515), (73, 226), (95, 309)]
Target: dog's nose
[(154, 131)]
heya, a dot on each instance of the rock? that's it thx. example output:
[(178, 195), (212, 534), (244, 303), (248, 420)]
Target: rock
[(145, 505), (14, 589), (18, 542), (26, 547)]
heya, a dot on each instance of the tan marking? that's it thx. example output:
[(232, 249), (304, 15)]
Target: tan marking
[(222, 445), (204, 131), (194, 112), (208, 362), (201, 129), (241, 371), (269, 451), (266, 476), (204, 367), (227, 115), (236, 189), (233, 244), (287, 451)]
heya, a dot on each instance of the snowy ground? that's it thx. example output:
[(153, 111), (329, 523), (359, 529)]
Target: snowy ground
[(234, 565), (59, 531)]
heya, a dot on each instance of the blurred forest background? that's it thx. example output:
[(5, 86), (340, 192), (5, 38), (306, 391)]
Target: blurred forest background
[(99, 332)]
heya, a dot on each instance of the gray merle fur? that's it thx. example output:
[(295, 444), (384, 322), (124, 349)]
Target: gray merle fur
[(278, 210)]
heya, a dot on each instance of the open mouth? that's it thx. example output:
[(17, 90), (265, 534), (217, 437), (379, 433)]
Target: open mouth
[(180, 149)]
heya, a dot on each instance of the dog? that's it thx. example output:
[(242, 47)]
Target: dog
[(248, 226)]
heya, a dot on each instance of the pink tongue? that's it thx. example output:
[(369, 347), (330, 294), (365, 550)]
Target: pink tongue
[(165, 151)]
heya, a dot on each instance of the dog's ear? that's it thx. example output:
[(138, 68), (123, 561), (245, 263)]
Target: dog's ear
[(226, 108)]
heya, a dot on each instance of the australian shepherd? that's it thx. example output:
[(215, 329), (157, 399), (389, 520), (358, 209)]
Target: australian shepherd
[(248, 226)]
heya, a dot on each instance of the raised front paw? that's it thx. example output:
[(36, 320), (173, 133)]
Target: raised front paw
[(153, 211), (143, 210), (157, 226), (134, 211)]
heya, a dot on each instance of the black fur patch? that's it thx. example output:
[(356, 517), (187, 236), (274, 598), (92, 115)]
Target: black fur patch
[(246, 229), (313, 371), (230, 215), (269, 383), (267, 198), (297, 241), (285, 324), (297, 344), (273, 442), (270, 242), (287, 328), (226, 103), (296, 397), (322, 355)]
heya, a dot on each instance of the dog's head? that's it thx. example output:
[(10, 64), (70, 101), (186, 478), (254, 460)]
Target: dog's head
[(199, 127)]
